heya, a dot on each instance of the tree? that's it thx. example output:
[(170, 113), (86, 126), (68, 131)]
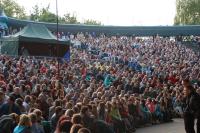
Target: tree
[(43, 15), (12, 9), (35, 15), (70, 19), (187, 12), (47, 16), (92, 22)]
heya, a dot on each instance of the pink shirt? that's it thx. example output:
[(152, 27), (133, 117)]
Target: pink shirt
[(151, 107)]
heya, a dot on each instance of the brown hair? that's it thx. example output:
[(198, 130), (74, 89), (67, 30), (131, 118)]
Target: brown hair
[(63, 125), (186, 82), (191, 88), (84, 109), (84, 130), (58, 109), (33, 117), (75, 128), (15, 117), (76, 119), (69, 113), (58, 102), (39, 114)]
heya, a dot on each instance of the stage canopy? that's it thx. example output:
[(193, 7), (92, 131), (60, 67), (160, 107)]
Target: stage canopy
[(36, 39), (185, 30), (3, 20)]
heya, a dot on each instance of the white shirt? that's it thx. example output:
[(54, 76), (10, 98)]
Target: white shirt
[(26, 106)]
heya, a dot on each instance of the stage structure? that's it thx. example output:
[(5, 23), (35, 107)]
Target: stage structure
[(34, 40)]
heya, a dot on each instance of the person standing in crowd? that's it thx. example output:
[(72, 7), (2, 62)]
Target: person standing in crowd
[(192, 108)]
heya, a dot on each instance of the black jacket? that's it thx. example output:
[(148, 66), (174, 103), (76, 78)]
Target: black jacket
[(192, 104), (7, 124), (5, 109)]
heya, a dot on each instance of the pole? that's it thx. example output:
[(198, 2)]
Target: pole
[(57, 48)]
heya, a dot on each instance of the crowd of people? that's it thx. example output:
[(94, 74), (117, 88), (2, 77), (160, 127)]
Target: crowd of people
[(111, 85)]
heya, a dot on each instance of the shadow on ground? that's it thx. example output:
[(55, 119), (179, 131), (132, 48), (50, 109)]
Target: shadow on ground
[(177, 126)]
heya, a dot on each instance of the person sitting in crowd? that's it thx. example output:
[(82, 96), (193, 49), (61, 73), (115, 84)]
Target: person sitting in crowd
[(10, 107), (63, 125), (56, 116), (124, 83), (36, 127), (24, 125), (8, 122)]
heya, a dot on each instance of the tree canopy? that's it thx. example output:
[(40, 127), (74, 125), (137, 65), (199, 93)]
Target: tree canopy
[(69, 19), (187, 12), (92, 22), (13, 9)]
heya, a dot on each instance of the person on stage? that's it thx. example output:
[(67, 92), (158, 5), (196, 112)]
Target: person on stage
[(192, 108)]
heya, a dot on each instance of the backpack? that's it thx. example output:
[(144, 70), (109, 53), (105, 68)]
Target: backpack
[(7, 124)]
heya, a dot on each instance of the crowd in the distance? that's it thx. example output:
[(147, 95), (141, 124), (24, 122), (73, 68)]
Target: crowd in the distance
[(111, 85)]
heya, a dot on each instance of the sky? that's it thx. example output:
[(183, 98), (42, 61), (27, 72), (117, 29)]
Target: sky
[(113, 12)]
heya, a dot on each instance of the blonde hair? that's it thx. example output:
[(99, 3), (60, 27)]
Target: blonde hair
[(15, 117), (25, 120)]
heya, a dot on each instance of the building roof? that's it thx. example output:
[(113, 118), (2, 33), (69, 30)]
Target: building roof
[(116, 30)]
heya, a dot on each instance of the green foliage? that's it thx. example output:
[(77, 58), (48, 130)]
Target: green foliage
[(188, 12), (44, 15), (92, 22), (70, 19), (35, 15), (13, 9), (47, 16)]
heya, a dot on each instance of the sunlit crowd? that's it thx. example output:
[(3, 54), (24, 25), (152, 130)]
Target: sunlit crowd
[(112, 84)]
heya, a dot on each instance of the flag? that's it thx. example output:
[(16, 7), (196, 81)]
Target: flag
[(67, 56)]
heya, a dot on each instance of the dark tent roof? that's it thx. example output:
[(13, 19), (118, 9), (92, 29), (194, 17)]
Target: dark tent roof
[(37, 39), (37, 33), (115, 30)]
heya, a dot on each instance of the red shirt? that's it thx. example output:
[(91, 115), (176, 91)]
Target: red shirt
[(172, 79), (43, 69), (151, 107), (84, 72)]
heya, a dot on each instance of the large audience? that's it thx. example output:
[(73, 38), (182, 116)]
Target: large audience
[(111, 85)]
